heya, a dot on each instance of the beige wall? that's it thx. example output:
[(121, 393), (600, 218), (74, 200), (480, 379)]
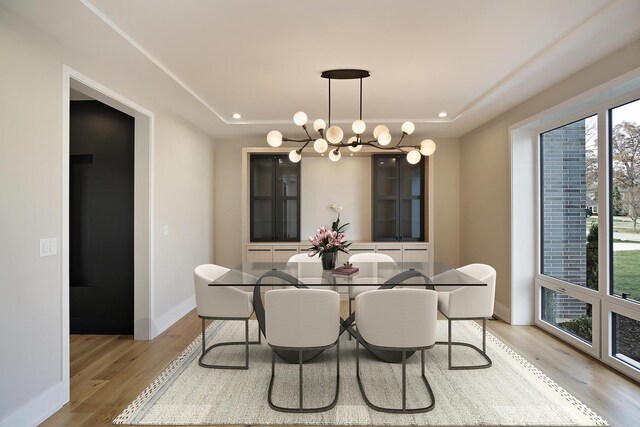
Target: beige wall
[(485, 169), (31, 191), (347, 183), (446, 185)]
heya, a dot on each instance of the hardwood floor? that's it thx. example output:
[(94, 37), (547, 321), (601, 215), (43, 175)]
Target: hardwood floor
[(108, 372)]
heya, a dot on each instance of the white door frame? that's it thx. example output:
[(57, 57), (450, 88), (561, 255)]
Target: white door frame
[(143, 208)]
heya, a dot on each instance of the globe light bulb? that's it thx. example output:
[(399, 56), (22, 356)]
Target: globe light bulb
[(408, 128), (334, 134), (379, 129), (358, 127), (351, 147), (384, 138), (274, 138), (300, 118), (319, 124), (335, 155), (427, 147), (294, 156), (413, 157), (320, 145)]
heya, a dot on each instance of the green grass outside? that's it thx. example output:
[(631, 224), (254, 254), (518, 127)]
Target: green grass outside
[(626, 273)]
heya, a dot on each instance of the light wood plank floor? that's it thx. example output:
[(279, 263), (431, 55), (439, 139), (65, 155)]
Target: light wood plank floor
[(108, 372)]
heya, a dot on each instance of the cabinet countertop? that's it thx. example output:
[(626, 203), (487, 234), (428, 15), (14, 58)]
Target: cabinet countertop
[(359, 242)]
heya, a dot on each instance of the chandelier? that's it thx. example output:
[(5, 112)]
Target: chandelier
[(333, 137)]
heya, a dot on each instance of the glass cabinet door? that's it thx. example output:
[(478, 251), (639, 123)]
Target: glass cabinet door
[(287, 206), (274, 198), (385, 198), (398, 198), (411, 198)]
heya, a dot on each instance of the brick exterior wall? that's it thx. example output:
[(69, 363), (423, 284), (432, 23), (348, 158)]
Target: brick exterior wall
[(564, 202)]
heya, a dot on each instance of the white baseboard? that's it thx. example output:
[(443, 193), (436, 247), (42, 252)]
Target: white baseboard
[(37, 410), (502, 312), (163, 322)]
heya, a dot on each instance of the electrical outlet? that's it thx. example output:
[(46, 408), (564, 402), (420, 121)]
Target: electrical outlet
[(166, 230)]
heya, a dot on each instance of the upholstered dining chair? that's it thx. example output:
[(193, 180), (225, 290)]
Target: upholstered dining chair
[(309, 270), (470, 303), (412, 328), (222, 303), (365, 262), (302, 320)]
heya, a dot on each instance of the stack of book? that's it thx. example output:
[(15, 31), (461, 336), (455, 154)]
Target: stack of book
[(345, 269)]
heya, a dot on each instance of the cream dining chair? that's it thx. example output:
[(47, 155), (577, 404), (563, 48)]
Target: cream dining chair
[(309, 270), (222, 303), (398, 320), (367, 274), (470, 303), (302, 320)]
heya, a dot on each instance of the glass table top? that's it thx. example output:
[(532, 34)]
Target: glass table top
[(369, 274)]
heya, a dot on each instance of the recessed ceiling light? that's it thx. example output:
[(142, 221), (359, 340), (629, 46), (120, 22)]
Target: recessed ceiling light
[(236, 116), (442, 114)]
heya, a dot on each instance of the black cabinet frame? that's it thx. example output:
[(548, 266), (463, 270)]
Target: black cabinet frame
[(277, 198), (401, 167)]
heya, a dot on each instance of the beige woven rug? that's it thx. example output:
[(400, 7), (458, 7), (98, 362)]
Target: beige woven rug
[(512, 392)]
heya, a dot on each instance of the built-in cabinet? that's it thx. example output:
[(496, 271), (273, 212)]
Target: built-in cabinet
[(274, 212), (281, 252), (398, 199)]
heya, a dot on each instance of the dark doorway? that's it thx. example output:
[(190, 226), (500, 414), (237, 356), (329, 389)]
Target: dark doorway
[(100, 219)]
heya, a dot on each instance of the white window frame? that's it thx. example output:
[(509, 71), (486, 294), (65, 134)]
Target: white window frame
[(608, 309), (596, 102), (593, 348)]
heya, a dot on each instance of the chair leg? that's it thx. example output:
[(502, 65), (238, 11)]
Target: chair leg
[(246, 343), (350, 299), (404, 409), (483, 352), (404, 381), (300, 408), (300, 376)]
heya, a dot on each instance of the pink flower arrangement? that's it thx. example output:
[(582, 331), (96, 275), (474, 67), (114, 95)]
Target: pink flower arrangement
[(329, 240)]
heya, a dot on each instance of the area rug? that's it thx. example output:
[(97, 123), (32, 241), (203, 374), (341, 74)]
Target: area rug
[(512, 392)]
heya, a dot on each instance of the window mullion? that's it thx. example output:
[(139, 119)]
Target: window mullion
[(604, 203)]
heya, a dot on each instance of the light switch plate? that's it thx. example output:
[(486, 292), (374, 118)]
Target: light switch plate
[(48, 246), (166, 230)]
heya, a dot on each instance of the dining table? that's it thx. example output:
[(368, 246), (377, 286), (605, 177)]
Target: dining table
[(377, 275)]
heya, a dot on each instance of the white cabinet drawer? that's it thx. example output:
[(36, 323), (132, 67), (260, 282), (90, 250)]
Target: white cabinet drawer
[(394, 251), (259, 253), (415, 254), (283, 253)]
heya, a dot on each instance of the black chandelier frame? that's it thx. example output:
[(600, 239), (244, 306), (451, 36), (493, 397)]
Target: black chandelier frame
[(348, 74)]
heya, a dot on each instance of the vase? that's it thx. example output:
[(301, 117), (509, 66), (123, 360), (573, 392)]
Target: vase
[(329, 260)]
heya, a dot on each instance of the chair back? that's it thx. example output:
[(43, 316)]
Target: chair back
[(301, 318), (475, 301), (219, 301), (367, 263), (398, 318), (309, 269)]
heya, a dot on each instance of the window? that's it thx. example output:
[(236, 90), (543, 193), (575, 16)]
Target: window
[(625, 200), (398, 198), (569, 190), (569, 314), (625, 339), (274, 199), (569, 232), (588, 286)]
